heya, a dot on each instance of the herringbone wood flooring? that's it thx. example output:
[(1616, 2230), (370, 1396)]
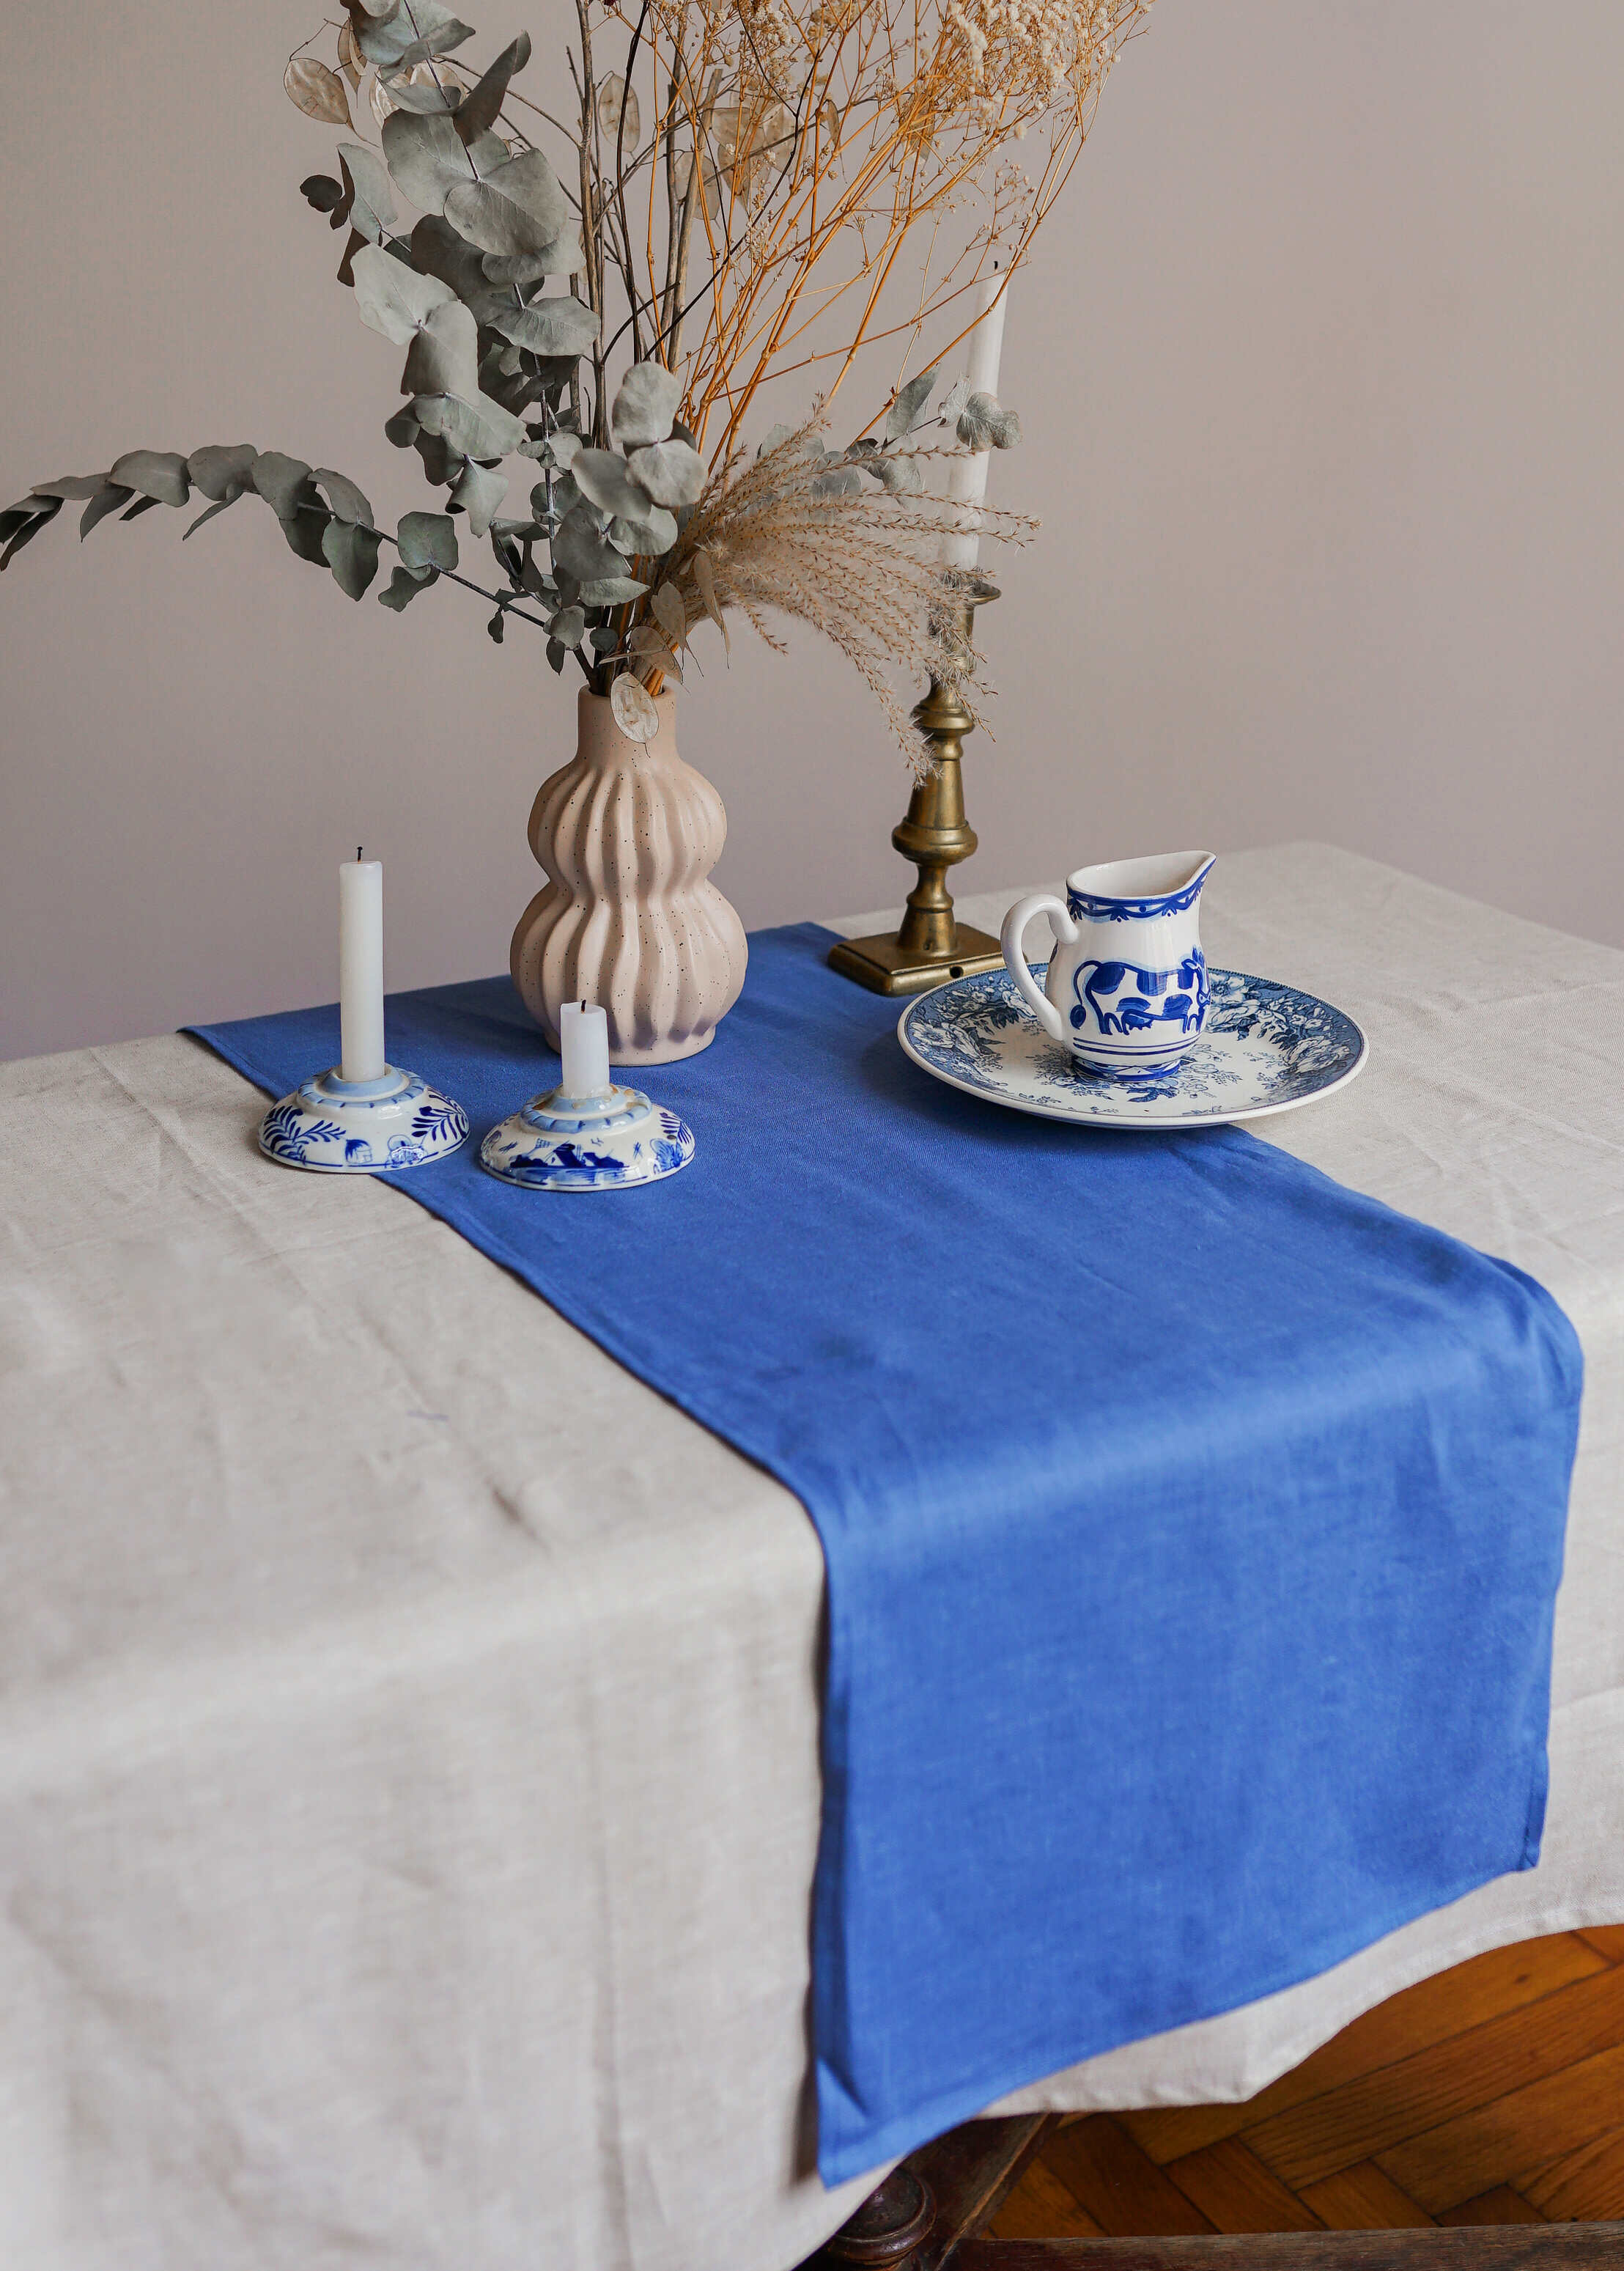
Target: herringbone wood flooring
[(1493, 2094)]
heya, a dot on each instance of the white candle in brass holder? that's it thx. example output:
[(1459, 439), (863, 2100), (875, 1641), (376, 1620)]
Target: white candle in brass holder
[(931, 945)]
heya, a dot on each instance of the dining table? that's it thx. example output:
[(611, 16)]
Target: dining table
[(410, 1720)]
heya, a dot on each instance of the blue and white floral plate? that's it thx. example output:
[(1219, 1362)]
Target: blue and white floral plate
[(1264, 1047)]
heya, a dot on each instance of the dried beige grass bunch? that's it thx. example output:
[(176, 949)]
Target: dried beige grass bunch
[(799, 532)]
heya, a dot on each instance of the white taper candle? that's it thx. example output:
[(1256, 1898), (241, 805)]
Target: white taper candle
[(583, 1042), (966, 477), (360, 969)]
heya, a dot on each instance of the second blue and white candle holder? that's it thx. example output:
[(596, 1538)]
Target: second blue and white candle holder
[(590, 1134)]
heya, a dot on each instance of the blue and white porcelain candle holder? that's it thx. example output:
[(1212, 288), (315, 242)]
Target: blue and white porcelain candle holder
[(339, 1127), (599, 1143)]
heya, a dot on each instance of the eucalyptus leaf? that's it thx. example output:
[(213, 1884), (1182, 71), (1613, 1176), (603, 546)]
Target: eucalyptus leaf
[(428, 540), (403, 428), (351, 553), (443, 357), (222, 470), (900, 476), (519, 208), (1007, 429), (562, 447), (389, 39), (480, 492), (581, 549), (672, 473), (159, 474), (548, 327), (478, 111), (646, 404), (110, 499), (305, 531), (604, 639), (910, 401), (843, 480), (422, 93), (422, 52), (612, 590), (209, 513), (773, 439), (426, 159), (392, 300), (142, 504), (316, 91), (438, 250), (404, 587), (71, 487), (605, 477), (353, 243), (488, 152), (347, 502), (480, 428), (653, 532), (953, 401), (569, 626), (372, 208), (441, 464), (21, 532), (977, 420), (561, 256), (284, 483), (322, 191)]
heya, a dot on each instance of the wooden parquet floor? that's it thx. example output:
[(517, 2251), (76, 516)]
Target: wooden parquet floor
[(1493, 2094)]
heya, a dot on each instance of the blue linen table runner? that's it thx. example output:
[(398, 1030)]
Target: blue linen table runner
[(1192, 1524)]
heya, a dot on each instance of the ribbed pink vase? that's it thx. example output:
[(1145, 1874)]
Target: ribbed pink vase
[(628, 835)]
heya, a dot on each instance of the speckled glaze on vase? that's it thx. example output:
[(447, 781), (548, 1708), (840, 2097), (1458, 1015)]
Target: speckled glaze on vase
[(628, 835)]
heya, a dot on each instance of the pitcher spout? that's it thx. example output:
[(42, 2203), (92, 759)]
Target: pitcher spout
[(1165, 883)]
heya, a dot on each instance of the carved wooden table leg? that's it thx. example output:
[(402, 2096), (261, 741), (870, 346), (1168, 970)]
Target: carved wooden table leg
[(897, 2215), (917, 2217)]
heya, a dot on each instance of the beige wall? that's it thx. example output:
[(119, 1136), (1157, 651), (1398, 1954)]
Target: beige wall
[(1321, 367)]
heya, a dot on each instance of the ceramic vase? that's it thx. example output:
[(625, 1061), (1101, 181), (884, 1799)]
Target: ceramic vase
[(628, 835)]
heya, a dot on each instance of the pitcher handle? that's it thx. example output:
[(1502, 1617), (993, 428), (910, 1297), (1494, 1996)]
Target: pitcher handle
[(1012, 939)]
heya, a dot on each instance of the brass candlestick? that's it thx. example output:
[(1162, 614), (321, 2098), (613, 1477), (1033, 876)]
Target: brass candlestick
[(932, 944)]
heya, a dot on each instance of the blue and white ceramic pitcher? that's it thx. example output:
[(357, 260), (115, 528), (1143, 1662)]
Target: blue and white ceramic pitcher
[(1126, 990)]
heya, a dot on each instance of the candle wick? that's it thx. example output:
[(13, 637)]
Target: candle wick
[(357, 852)]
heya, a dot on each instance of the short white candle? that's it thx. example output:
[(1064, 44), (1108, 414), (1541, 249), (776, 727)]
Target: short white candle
[(583, 1042), (360, 970), (967, 476)]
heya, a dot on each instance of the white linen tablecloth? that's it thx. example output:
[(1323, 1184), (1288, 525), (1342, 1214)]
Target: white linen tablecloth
[(408, 1720)]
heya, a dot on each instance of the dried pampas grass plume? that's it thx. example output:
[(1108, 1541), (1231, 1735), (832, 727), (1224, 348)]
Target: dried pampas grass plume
[(800, 531)]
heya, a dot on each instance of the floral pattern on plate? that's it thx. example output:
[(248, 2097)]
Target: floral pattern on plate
[(1265, 1047)]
